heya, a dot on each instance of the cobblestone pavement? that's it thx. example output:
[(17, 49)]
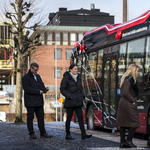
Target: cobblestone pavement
[(15, 137)]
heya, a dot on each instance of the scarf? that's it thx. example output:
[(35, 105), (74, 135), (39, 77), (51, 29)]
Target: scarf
[(74, 76)]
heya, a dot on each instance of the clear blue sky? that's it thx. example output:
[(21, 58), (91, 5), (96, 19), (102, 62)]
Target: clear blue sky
[(113, 7)]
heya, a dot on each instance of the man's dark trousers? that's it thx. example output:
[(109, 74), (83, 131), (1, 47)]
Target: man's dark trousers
[(39, 111)]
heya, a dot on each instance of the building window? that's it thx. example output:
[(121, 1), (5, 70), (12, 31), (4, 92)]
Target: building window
[(57, 54), (57, 36), (68, 53), (58, 72), (65, 36), (73, 37), (80, 36), (49, 36), (42, 36)]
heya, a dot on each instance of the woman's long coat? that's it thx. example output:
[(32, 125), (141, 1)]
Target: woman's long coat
[(128, 115), (72, 90)]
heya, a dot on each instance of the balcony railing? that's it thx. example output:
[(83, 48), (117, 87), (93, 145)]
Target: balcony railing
[(6, 42), (5, 64)]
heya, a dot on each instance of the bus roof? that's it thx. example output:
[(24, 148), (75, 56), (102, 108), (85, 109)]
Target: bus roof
[(119, 27)]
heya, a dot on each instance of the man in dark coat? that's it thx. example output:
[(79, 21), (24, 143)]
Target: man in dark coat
[(33, 99)]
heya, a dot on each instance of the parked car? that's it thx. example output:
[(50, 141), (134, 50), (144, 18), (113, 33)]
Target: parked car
[(2, 116)]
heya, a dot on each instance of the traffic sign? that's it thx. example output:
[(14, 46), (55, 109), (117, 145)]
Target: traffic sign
[(61, 100), (56, 104)]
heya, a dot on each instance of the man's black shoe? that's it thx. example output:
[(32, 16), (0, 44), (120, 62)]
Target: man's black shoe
[(32, 136), (130, 143), (69, 137), (124, 145), (46, 136), (86, 136)]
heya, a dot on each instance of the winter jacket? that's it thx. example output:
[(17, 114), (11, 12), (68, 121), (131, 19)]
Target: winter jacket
[(128, 115), (32, 96), (72, 90)]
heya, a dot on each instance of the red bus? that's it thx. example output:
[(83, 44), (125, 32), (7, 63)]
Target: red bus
[(102, 56)]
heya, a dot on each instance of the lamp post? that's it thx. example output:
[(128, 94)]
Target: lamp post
[(56, 76)]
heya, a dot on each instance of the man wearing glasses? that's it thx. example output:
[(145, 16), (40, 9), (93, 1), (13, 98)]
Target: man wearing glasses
[(33, 98)]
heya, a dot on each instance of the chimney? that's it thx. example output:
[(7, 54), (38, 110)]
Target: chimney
[(92, 6), (125, 10), (62, 9)]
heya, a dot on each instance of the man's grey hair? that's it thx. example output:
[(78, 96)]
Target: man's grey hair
[(34, 64)]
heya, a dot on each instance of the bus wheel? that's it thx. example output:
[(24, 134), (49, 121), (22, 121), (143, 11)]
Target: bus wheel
[(90, 118)]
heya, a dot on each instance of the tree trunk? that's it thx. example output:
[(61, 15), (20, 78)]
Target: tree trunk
[(19, 67), (18, 93)]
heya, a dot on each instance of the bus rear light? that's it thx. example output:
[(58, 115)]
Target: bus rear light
[(144, 118), (82, 47)]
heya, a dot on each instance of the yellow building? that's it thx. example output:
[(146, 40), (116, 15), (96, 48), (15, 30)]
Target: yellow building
[(6, 55)]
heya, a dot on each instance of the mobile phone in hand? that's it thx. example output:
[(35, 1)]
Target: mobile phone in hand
[(46, 89)]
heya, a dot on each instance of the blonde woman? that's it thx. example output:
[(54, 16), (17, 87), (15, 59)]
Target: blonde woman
[(128, 117)]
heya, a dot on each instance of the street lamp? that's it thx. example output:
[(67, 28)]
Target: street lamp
[(56, 76)]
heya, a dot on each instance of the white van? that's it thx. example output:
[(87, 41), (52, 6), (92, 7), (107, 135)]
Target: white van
[(2, 116)]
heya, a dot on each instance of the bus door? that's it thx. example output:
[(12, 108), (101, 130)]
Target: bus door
[(109, 91)]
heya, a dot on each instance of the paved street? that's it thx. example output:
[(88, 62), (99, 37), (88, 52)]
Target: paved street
[(15, 137)]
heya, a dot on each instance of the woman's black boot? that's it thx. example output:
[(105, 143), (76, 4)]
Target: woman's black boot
[(130, 143), (86, 136), (69, 137), (124, 145)]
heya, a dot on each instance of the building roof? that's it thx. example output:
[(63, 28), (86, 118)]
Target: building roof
[(84, 12), (80, 17), (66, 28)]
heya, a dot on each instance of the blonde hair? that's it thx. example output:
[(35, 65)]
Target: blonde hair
[(131, 71)]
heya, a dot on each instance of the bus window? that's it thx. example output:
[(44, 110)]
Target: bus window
[(74, 60), (147, 61), (135, 52), (113, 84), (146, 77), (107, 50), (135, 55), (121, 62), (90, 73), (83, 73), (115, 48), (99, 67), (79, 62)]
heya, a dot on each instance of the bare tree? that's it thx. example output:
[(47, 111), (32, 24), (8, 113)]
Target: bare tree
[(20, 16)]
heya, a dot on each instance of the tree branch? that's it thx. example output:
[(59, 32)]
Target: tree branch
[(25, 53), (27, 19), (13, 5)]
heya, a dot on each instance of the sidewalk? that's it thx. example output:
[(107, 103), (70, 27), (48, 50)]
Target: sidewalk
[(15, 137)]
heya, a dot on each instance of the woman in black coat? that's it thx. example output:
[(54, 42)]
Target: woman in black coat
[(71, 88)]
